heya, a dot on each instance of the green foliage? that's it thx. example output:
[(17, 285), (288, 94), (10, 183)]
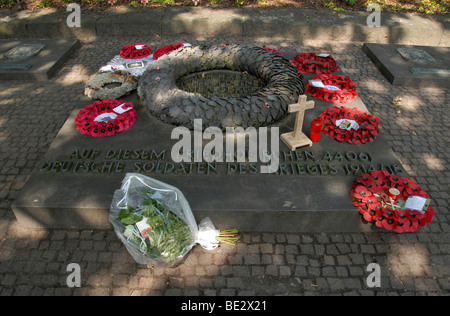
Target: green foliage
[(419, 6), (163, 1), (169, 236), (7, 3), (90, 1), (43, 4), (332, 6)]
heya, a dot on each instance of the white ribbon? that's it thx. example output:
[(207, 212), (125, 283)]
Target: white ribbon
[(207, 233)]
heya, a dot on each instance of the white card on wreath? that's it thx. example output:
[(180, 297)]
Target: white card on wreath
[(416, 203), (122, 108), (347, 124), (317, 83), (332, 88)]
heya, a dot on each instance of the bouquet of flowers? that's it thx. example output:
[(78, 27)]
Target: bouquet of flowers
[(156, 224)]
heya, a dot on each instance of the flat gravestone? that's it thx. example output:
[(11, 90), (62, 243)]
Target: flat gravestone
[(72, 187), (34, 60), (411, 65), (416, 56), (24, 51)]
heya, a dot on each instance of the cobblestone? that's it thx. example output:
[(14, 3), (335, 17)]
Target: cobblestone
[(34, 262)]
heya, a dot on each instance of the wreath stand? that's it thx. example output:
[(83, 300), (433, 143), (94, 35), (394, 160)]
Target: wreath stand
[(297, 138)]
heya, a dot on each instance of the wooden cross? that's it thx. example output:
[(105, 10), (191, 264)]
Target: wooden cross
[(297, 138)]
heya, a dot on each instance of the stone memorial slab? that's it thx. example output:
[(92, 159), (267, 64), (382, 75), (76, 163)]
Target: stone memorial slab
[(309, 190), (399, 63), (417, 56), (24, 51), (43, 58)]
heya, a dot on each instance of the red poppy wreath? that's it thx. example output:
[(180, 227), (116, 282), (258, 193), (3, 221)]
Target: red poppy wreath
[(166, 49), (316, 64), (332, 88), (135, 51), (349, 125), (391, 202), (105, 118)]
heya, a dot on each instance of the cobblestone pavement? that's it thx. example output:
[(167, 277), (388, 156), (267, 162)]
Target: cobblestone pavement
[(34, 262)]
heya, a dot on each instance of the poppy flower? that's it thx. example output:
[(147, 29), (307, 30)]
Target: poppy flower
[(357, 203), (414, 226), (428, 216), (372, 129), (369, 215), (404, 181), (389, 219), (373, 214), (362, 193), (403, 222), (409, 219), (403, 216), (380, 177), (354, 114), (394, 181), (375, 188), (414, 215), (366, 179), (342, 134), (371, 202), (413, 189), (356, 140)]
